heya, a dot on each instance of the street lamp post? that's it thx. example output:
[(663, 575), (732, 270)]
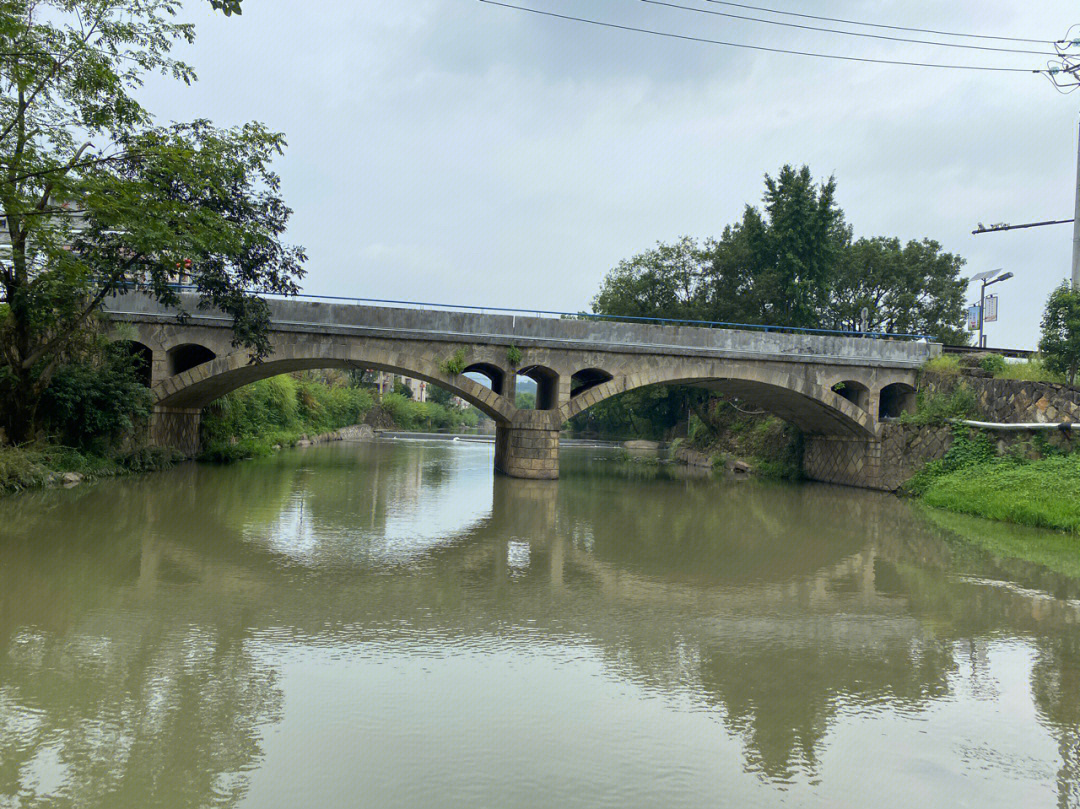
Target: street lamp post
[(987, 278)]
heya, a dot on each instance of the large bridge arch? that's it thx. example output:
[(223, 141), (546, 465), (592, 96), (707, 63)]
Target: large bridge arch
[(193, 389), (793, 397)]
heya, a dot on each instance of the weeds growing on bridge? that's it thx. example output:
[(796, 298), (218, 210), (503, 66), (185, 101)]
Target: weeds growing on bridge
[(455, 364)]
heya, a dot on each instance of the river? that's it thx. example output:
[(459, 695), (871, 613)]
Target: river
[(389, 625)]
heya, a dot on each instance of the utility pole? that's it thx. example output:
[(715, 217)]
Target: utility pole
[(1076, 221)]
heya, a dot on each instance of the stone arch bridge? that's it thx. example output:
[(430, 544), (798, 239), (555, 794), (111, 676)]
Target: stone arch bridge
[(836, 388)]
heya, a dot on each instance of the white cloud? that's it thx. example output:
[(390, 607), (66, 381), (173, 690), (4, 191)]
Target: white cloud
[(455, 150)]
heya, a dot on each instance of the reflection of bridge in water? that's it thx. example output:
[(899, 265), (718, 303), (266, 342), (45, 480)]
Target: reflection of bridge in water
[(835, 387), (667, 594)]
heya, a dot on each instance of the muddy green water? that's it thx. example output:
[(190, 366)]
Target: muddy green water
[(388, 625)]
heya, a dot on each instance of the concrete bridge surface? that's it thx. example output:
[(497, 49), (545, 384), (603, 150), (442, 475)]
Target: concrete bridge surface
[(836, 388)]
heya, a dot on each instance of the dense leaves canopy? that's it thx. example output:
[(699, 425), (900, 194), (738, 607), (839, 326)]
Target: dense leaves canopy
[(794, 263), (96, 199), (1060, 343)]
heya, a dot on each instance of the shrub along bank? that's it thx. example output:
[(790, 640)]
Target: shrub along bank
[(726, 432), (284, 409), (1033, 484)]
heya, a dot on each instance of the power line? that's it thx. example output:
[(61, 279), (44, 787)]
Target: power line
[(689, 38), (847, 33), (881, 25)]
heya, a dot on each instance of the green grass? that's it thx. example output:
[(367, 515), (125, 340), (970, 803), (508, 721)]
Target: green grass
[(1031, 370), (1043, 494), (944, 365), (23, 468), (279, 410)]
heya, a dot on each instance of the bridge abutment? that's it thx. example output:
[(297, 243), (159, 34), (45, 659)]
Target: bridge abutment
[(177, 428), (528, 447)]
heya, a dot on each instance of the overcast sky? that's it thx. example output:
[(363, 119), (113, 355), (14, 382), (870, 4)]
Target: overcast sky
[(452, 151)]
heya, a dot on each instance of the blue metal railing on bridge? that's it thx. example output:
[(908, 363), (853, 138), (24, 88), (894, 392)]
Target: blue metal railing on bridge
[(660, 321)]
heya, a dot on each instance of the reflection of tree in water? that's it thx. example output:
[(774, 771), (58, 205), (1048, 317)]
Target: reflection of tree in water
[(780, 607), (118, 702), (1055, 684)]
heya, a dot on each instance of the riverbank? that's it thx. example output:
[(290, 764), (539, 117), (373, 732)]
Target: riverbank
[(1025, 477), (287, 411), (40, 466), (1042, 493)]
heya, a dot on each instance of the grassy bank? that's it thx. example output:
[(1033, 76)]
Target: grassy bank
[(280, 411), (973, 479), (23, 468), (725, 432), (1043, 493)]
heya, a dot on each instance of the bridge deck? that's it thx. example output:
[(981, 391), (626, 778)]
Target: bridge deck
[(354, 320)]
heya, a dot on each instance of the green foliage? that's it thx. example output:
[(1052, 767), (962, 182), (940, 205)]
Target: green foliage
[(525, 400), (1060, 343), (790, 263), (401, 389), (1032, 370), (410, 415), (94, 405), (454, 364), (943, 365), (969, 448), (440, 395), (697, 429), (940, 408), (23, 468), (278, 410), (513, 356), (667, 282), (906, 289), (1044, 493), (993, 364), (154, 202)]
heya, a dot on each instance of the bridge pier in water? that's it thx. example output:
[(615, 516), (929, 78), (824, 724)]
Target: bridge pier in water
[(528, 447)]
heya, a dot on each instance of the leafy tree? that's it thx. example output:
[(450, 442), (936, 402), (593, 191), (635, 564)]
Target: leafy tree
[(439, 395), (663, 283), (777, 266), (525, 400), (401, 389), (93, 403), (96, 200), (790, 263), (1060, 343), (909, 289)]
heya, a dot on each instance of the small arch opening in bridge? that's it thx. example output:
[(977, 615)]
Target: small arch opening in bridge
[(895, 400), (855, 392), (491, 376), (547, 385), (144, 360), (185, 357), (586, 379)]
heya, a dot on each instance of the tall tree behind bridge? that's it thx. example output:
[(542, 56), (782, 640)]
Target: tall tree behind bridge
[(777, 266), (909, 289), (792, 262), (96, 199)]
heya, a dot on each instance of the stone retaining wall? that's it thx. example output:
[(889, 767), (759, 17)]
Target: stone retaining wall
[(1012, 401), (904, 449)]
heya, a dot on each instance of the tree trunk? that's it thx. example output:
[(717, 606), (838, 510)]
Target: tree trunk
[(23, 405)]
